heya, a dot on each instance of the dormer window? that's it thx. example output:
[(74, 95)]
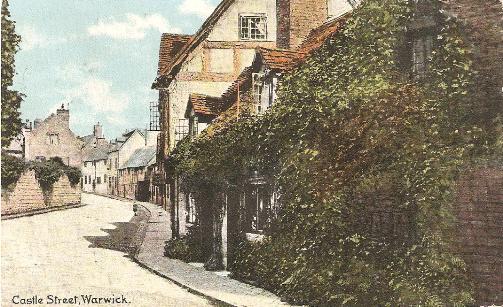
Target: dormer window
[(253, 27)]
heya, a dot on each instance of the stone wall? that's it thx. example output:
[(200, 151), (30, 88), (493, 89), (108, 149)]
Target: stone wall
[(27, 195), (53, 138), (63, 193), (479, 209)]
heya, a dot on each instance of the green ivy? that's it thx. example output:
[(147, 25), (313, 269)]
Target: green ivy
[(351, 127)]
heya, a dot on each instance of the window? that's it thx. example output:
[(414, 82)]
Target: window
[(181, 129), (105, 178), (53, 139), (191, 209), (85, 179), (193, 126), (258, 209), (98, 180), (257, 92), (253, 27), (421, 54)]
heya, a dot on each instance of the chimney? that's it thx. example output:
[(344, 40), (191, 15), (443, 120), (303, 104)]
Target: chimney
[(98, 131), (64, 114), (36, 123), (296, 18)]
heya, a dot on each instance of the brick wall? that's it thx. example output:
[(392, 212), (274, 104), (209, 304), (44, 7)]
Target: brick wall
[(27, 195), (481, 23), (479, 209), (296, 18)]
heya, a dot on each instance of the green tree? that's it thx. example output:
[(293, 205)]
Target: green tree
[(11, 99)]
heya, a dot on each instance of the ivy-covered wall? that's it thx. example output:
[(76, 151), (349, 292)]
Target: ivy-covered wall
[(349, 124)]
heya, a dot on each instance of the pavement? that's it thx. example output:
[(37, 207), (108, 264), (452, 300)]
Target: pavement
[(82, 252), (215, 286)]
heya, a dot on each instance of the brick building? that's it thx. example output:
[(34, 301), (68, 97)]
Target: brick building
[(52, 137)]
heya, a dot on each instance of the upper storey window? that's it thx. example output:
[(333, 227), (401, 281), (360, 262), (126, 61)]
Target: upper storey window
[(253, 27)]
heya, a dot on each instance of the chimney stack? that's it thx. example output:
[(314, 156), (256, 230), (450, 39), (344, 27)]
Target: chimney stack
[(98, 131), (36, 123), (64, 114), (296, 19)]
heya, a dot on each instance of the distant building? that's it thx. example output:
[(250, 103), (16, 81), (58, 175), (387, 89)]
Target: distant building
[(120, 152), (52, 137), (95, 170), (133, 180)]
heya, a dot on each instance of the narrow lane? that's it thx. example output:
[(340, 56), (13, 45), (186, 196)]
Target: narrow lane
[(50, 254)]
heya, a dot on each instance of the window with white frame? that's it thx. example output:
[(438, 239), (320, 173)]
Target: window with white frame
[(257, 84), (253, 27), (181, 129)]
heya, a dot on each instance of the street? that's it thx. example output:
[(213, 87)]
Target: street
[(55, 258)]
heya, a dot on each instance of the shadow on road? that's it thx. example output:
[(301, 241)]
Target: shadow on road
[(126, 237)]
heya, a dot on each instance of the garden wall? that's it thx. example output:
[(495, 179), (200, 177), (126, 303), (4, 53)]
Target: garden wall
[(27, 195)]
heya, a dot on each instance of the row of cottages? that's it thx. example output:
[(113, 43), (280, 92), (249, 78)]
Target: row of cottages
[(244, 45), (134, 182), (106, 165), (250, 208), (198, 94), (209, 61)]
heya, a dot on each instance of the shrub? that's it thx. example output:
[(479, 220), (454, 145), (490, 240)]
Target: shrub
[(12, 169), (74, 174), (187, 248)]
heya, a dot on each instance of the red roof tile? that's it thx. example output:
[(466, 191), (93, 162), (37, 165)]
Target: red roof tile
[(205, 105), (171, 44), (318, 36), (279, 59)]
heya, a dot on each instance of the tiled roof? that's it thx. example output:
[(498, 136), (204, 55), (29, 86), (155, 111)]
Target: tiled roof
[(141, 158), (171, 44), (279, 59), (283, 59), (318, 36), (98, 153), (205, 105), (244, 83)]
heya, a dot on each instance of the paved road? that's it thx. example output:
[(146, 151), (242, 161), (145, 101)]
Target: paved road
[(51, 254)]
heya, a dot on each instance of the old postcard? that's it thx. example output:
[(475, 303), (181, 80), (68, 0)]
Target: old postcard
[(252, 153)]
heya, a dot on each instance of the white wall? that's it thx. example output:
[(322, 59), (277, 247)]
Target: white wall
[(337, 8), (99, 169), (134, 142), (227, 27)]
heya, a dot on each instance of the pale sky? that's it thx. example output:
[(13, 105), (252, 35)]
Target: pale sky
[(99, 55)]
